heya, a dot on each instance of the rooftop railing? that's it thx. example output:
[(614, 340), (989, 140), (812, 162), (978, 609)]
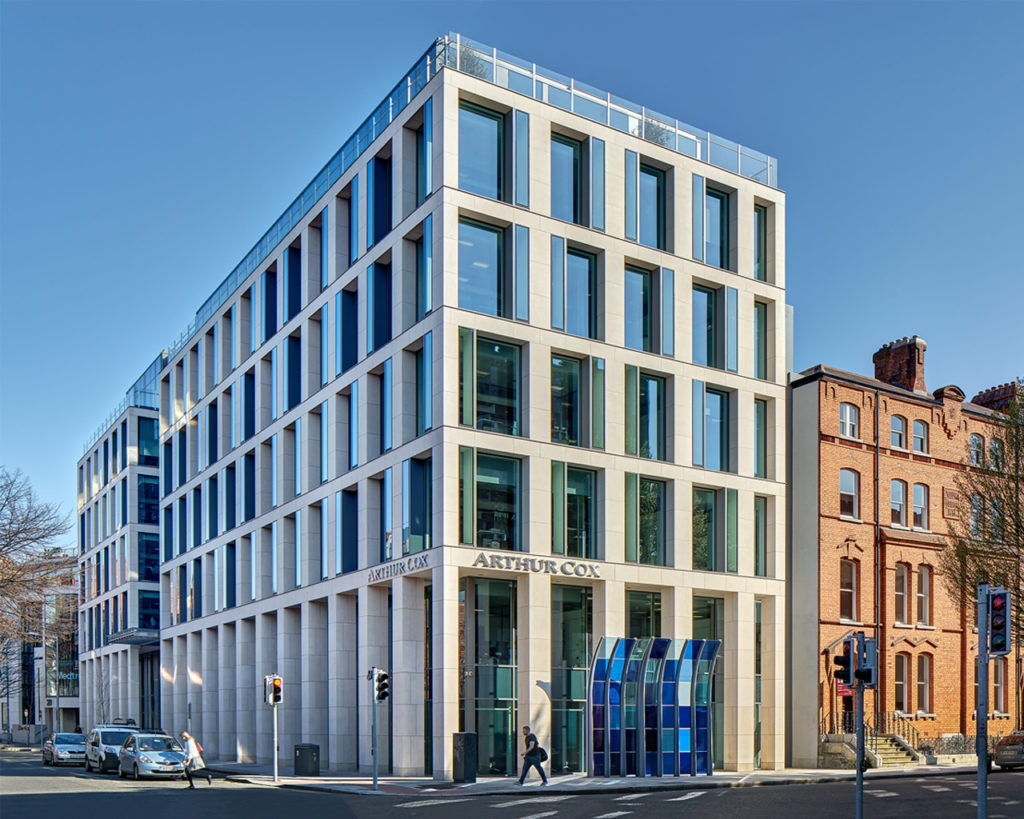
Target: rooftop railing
[(506, 71)]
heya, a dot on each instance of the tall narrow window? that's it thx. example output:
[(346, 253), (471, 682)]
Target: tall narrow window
[(425, 269), (324, 237), (639, 309), (386, 404), (847, 590), (498, 498), (269, 304), (760, 438), (645, 520), (849, 421), (573, 290), (898, 502), (760, 340), (704, 325), (565, 400), (760, 536), (573, 511), (483, 284), (353, 425), (566, 179), (324, 346), (920, 436), (920, 506), (849, 493), (716, 228), (760, 243), (900, 683), (924, 683), (898, 432), (378, 203), (425, 153), (417, 505), (651, 207), (522, 158), (597, 183), (424, 385), (924, 596), (353, 221), (705, 529), (489, 385), (902, 590), (977, 450), (378, 306), (481, 163)]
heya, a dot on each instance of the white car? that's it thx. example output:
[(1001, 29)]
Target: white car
[(103, 744)]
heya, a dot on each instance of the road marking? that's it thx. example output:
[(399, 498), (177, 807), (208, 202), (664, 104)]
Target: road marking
[(424, 802), (540, 815), (935, 788), (879, 793), (688, 796), (609, 782), (629, 797), (613, 814), (532, 800)]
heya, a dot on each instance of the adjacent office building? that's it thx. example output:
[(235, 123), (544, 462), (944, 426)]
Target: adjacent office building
[(506, 378), (875, 465), (119, 562)]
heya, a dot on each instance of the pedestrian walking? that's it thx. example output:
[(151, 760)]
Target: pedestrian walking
[(533, 756), (194, 759)]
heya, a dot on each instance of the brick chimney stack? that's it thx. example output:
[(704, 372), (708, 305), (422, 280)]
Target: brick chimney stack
[(901, 363), (999, 398)]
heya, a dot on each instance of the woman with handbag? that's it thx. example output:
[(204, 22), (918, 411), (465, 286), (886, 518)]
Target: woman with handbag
[(194, 759), (533, 756)]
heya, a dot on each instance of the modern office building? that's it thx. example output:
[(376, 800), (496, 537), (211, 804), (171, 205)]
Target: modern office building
[(875, 463), (508, 377), (119, 562)]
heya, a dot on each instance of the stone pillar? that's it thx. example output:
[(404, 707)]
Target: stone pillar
[(314, 662), (210, 694), (227, 741), (266, 663), (609, 609), (533, 671), (180, 682), (373, 651), (677, 612), (407, 675), (194, 683), (248, 691), (167, 679), (289, 666), (773, 683), (343, 682), (446, 671), (738, 656)]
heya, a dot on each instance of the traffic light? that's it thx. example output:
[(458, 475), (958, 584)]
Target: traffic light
[(381, 685), (276, 692), (867, 662), (846, 663), (998, 622)]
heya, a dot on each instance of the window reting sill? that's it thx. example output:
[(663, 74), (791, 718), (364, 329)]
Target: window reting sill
[(925, 627), (902, 625), (848, 519), (844, 622), (843, 437), (924, 715)]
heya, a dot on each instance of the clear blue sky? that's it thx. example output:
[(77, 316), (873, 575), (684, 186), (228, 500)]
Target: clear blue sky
[(147, 146)]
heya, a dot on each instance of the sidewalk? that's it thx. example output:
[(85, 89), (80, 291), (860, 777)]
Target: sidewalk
[(571, 784)]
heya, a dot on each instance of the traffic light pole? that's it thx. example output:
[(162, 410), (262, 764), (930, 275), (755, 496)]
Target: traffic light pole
[(860, 749), (373, 696), (982, 715), (273, 707)]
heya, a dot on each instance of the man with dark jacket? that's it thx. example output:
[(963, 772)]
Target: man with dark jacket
[(532, 756)]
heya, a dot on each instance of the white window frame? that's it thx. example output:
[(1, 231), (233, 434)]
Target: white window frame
[(849, 420), (923, 506), (924, 683), (902, 595), (976, 454), (893, 431), (856, 493), (848, 592), (900, 682), (923, 437), (924, 595), (900, 519)]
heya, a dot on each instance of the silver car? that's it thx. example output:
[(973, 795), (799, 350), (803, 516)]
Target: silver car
[(1009, 751), (151, 755), (102, 746), (64, 749)]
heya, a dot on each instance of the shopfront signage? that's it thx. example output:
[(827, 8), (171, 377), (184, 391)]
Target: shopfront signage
[(396, 568), (536, 565)]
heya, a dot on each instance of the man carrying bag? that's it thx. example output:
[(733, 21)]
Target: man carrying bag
[(533, 756)]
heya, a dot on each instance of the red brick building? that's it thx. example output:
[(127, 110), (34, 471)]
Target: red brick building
[(873, 483)]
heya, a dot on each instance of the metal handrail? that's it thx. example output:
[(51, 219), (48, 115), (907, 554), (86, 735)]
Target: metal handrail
[(893, 723)]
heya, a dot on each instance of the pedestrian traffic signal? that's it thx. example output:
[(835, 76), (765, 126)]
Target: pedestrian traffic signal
[(275, 689), (998, 622), (867, 662), (381, 685), (846, 663)]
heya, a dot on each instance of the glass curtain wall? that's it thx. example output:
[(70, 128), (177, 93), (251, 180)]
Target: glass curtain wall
[(709, 624), (643, 614), (571, 640)]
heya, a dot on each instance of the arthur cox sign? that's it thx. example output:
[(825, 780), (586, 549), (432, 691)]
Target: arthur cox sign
[(396, 568), (536, 565)]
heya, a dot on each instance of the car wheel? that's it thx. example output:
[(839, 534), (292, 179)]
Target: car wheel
[(135, 772), (86, 765), (120, 771)]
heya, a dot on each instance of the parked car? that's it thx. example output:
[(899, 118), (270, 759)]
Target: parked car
[(1009, 751), (103, 743), (147, 754), (64, 749)]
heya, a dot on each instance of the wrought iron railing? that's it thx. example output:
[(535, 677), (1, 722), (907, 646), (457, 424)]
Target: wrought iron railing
[(893, 723)]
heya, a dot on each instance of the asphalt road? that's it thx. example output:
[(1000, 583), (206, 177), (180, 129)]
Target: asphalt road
[(28, 790)]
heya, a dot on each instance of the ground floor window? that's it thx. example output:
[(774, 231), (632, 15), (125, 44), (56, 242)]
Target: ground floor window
[(571, 639)]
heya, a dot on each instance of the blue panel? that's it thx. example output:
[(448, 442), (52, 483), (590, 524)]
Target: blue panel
[(668, 308), (731, 328), (632, 169), (597, 183), (698, 218), (698, 423), (522, 261), (522, 156), (557, 283)]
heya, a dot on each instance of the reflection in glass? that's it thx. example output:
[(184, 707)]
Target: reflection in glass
[(643, 614), (581, 294), (716, 430), (704, 529), (652, 522), (652, 417), (480, 151), (566, 179), (482, 286), (704, 352), (497, 502), (716, 228), (565, 400), (638, 308), (652, 207), (497, 387), (580, 511), (571, 627)]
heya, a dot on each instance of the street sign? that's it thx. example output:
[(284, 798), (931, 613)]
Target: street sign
[(844, 690)]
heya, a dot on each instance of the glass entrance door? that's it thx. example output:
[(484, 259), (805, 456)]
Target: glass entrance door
[(709, 624)]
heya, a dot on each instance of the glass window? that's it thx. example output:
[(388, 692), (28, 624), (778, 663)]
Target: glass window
[(638, 309), (566, 179), (149, 500), (760, 340), (645, 520), (924, 683), (924, 596), (898, 436), (760, 438), (898, 502), (483, 285), (760, 243), (900, 700), (565, 400), (497, 502), (716, 430), (645, 415), (995, 454), (849, 493), (643, 613), (571, 643), (481, 163), (651, 207), (902, 583), (705, 525), (760, 536), (977, 450), (522, 158), (573, 511), (581, 293), (631, 193), (920, 436), (716, 228), (149, 452), (920, 506), (496, 374), (849, 421), (847, 590), (425, 269), (705, 347), (424, 385)]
